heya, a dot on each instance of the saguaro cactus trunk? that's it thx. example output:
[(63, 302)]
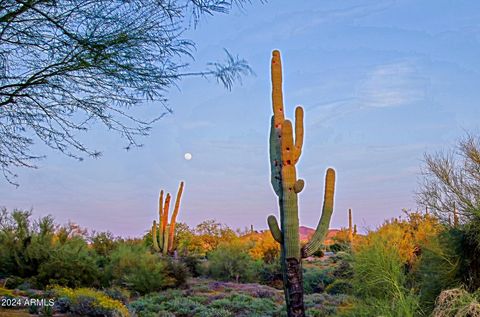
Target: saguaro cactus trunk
[(350, 226), (285, 152)]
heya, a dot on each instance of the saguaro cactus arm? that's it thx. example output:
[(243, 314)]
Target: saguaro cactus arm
[(275, 159), (322, 228), (298, 134), (160, 219), (174, 217), (154, 237), (166, 208), (275, 229)]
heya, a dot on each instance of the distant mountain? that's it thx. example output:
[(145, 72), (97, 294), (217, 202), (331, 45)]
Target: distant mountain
[(306, 233)]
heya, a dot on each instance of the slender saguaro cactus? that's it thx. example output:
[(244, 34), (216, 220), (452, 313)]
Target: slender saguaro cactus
[(164, 237), (174, 218), (350, 226), (285, 151), (455, 215)]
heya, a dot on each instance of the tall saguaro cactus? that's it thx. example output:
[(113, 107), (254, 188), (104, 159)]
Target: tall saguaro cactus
[(163, 239), (285, 151)]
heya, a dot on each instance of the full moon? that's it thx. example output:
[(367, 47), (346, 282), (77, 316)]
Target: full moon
[(188, 156)]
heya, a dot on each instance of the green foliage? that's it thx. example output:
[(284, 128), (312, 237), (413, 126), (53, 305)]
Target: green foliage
[(440, 266), (71, 264), (192, 263), (143, 272), (118, 293), (271, 274), (380, 281), (231, 262), (339, 247), (339, 287), (315, 279), (323, 305), (457, 302), (233, 305), (103, 243), (88, 302), (242, 305)]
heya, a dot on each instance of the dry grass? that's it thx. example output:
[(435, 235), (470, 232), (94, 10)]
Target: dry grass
[(456, 303)]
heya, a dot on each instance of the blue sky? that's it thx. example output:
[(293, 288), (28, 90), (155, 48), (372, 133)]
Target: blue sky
[(382, 82)]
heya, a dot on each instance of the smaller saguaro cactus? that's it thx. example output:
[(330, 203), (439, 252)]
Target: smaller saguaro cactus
[(350, 226), (354, 230), (164, 237)]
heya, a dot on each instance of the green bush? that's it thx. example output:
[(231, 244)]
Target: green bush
[(241, 305), (380, 282), (441, 266), (271, 274), (192, 263), (457, 302), (339, 287), (70, 264), (202, 305), (88, 302), (322, 305), (118, 293), (315, 279), (231, 262), (137, 269)]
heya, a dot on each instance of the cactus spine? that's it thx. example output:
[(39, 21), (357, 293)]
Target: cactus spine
[(285, 152), (164, 237)]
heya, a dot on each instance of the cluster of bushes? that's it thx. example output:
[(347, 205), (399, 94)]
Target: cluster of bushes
[(402, 268), (35, 254), (212, 299), (87, 302)]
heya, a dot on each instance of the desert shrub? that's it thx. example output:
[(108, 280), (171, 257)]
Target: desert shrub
[(175, 304), (24, 244), (183, 306), (441, 266), (457, 302), (103, 243), (339, 287), (137, 269), (262, 246), (70, 264), (215, 304), (150, 305), (118, 293), (380, 280), (242, 305), (6, 292), (271, 274), (315, 279), (89, 302), (323, 305), (344, 270), (192, 263), (231, 262), (452, 182)]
